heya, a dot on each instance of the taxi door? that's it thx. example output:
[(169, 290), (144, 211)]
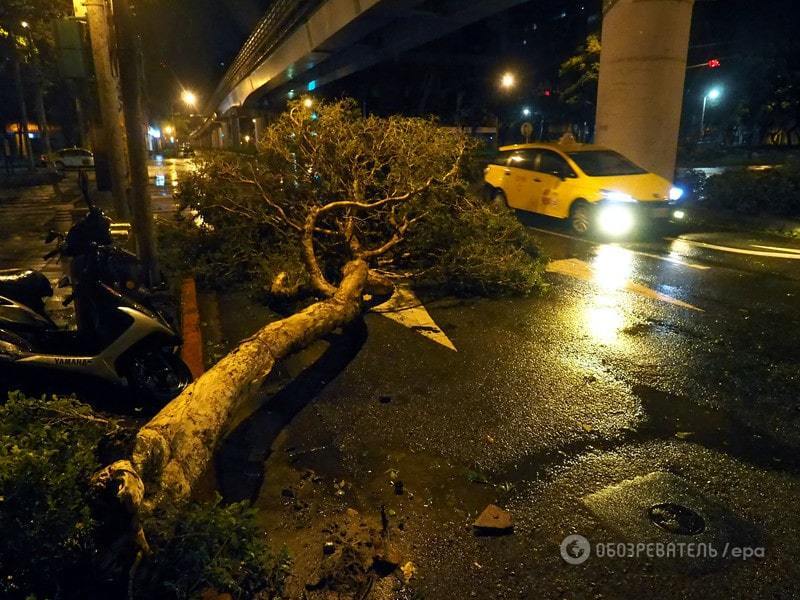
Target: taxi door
[(519, 184), (553, 180)]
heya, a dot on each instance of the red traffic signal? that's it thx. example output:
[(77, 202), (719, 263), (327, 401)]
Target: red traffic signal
[(714, 63)]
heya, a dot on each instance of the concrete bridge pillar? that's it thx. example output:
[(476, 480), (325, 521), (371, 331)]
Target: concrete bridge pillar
[(235, 140), (642, 74)]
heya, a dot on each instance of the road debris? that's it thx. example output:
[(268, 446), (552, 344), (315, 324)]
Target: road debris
[(493, 521)]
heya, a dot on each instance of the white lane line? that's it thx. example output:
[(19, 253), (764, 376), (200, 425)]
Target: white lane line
[(579, 269), (405, 308), (737, 250), (777, 248), (669, 259), (672, 259)]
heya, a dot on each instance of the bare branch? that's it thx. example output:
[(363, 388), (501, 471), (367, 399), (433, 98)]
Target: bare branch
[(318, 280), (272, 204)]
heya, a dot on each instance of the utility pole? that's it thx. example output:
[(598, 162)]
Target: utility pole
[(130, 69), (98, 14)]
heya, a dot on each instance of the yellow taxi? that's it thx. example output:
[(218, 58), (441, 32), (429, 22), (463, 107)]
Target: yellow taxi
[(592, 186)]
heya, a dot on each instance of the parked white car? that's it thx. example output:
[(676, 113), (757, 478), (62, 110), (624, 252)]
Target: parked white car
[(70, 158)]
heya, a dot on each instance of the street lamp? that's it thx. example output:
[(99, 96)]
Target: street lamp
[(713, 94), (189, 98), (508, 81), (526, 112)]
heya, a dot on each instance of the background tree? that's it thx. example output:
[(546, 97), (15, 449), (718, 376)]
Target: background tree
[(759, 73), (26, 27), (578, 78)]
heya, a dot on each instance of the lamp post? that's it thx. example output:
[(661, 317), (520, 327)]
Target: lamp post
[(508, 81), (189, 98), (713, 95)]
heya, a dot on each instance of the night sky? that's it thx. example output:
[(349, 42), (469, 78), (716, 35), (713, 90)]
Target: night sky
[(193, 41)]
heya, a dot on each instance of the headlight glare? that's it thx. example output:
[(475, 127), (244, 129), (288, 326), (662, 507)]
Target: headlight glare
[(615, 220), (675, 194)]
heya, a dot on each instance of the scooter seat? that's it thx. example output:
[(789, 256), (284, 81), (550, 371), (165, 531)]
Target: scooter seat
[(24, 285)]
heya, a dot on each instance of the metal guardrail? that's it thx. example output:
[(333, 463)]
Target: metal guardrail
[(281, 19)]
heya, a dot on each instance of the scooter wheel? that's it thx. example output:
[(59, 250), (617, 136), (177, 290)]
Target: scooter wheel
[(157, 377)]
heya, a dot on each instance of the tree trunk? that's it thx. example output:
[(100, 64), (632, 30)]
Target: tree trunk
[(131, 80), (98, 14), (174, 449), (25, 146), (38, 81), (41, 116)]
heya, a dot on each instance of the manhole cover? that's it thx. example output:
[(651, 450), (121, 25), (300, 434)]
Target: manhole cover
[(676, 519)]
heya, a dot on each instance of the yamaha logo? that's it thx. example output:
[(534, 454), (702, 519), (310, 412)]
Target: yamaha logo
[(73, 362)]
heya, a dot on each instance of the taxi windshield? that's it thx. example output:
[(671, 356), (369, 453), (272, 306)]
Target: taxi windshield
[(605, 163)]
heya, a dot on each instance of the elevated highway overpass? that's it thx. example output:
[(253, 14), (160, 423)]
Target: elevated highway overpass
[(302, 45)]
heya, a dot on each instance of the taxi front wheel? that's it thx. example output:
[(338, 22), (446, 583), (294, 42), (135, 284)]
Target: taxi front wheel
[(580, 218)]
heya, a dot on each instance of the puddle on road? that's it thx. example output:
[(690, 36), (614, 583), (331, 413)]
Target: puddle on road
[(676, 417)]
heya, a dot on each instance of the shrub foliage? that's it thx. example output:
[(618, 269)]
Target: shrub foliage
[(53, 544), (248, 211), (772, 192)]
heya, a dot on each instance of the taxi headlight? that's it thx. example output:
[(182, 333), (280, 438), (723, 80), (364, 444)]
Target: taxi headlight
[(615, 219), (675, 194)]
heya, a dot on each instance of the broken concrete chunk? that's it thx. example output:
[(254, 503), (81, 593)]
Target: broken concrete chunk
[(494, 521)]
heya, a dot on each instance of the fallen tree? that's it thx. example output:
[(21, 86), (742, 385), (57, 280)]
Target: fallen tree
[(338, 194), (175, 447)]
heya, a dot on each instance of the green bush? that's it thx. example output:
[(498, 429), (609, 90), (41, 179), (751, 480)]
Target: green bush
[(468, 247), (773, 192), (209, 546), (55, 543), (461, 246), (46, 460)]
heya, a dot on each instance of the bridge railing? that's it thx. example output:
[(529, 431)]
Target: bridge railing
[(281, 19)]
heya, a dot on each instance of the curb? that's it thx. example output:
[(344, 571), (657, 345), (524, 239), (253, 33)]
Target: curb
[(192, 349)]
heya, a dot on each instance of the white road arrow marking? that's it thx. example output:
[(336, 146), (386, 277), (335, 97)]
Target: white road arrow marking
[(574, 267), (405, 308)]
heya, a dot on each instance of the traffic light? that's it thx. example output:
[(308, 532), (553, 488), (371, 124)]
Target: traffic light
[(714, 63)]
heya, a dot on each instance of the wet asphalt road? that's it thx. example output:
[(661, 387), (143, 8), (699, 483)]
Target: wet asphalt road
[(546, 402), (648, 357)]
